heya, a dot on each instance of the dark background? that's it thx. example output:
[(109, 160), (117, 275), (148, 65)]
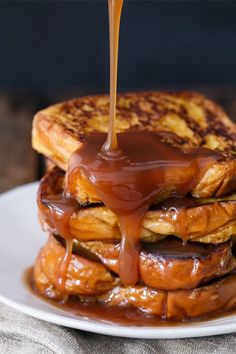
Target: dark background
[(53, 50), (58, 44)]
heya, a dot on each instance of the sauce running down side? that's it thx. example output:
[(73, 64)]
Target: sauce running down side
[(129, 182), (61, 208), (143, 171)]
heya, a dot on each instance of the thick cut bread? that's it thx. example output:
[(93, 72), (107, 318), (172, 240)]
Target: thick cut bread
[(211, 222), (61, 129)]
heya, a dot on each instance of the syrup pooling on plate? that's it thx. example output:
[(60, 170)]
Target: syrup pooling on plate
[(144, 170)]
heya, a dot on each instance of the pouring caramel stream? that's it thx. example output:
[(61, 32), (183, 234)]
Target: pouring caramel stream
[(115, 8)]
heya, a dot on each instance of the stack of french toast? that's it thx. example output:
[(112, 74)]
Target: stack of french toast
[(187, 264)]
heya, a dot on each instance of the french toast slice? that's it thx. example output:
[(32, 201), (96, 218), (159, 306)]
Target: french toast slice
[(61, 129), (207, 221)]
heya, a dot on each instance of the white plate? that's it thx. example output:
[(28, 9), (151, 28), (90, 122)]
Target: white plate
[(21, 238)]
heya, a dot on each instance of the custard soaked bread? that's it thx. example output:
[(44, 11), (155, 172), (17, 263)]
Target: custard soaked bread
[(192, 120)]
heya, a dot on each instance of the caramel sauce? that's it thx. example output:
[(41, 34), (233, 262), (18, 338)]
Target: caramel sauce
[(129, 181), (61, 208), (115, 8)]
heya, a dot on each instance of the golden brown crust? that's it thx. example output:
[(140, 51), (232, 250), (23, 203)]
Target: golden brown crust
[(60, 130), (214, 222)]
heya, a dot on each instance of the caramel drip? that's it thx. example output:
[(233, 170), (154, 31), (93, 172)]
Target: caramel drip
[(115, 8), (61, 208), (180, 218), (178, 209), (130, 247), (61, 279)]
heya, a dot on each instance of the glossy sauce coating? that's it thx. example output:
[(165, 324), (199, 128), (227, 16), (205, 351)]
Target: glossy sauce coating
[(132, 178)]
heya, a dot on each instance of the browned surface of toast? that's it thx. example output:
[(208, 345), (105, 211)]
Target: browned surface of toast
[(61, 129)]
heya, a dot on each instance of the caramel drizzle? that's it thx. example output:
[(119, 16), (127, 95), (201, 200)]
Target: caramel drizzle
[(129, 184), (115, 8), (64, 265), (61, 209)]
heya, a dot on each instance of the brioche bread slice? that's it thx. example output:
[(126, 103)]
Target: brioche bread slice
[(61, 129)]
